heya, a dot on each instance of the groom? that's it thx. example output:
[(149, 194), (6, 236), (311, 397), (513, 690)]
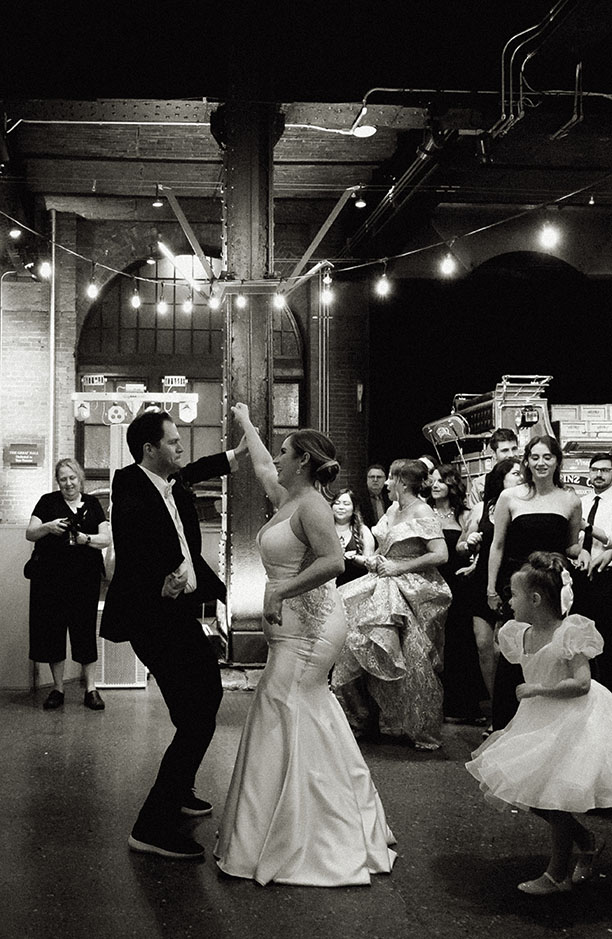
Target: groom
[(153, 601)]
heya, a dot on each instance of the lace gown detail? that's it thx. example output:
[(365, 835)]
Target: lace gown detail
[(302, 807), (395, 638), (556, 753)]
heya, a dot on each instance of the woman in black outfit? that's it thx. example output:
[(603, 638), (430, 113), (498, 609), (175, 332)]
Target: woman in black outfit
[(539, 515), (69, 531), (356, 538)]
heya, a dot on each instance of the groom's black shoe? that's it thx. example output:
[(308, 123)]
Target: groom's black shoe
[(171, 844), (194, 806)]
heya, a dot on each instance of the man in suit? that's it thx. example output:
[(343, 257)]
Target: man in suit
[(593, 593), (375, 501), (153, 602)]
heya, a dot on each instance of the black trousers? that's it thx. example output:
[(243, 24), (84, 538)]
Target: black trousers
[(185, 667), (593, 598)]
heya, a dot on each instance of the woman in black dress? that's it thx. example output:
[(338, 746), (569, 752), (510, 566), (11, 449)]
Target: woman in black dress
[(539, 515), (356, 538), (478, 539), (69, 530), (461, 678)]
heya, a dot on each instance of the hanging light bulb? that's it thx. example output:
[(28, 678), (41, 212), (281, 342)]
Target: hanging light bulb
[(550, 236), (591, 200), (383, 285), (162, 306), (188, 304), (214, 302), (448, 265), (135, 301), (241, 301), (278, 301), (45, 269), (157, 201), (15, 233), (327, 294), (92, 288), (360, 202)]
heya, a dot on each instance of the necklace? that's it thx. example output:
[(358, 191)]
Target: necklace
[(449, 514)]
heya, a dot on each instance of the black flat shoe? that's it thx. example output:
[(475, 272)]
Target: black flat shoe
[(93, 701), (169, 844), (54, 700)]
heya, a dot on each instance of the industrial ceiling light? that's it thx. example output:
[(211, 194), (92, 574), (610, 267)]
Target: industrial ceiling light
[(362, 130), (157, 201), (360, 202)]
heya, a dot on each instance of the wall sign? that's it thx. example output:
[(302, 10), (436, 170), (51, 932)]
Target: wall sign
[(22, 455)]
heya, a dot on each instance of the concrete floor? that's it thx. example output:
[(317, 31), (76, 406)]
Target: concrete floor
[(72, 782)]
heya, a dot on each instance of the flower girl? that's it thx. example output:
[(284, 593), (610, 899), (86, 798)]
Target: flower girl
[(555, 756)]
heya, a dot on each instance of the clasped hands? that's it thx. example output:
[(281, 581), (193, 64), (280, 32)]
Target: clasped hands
[(175, 583)]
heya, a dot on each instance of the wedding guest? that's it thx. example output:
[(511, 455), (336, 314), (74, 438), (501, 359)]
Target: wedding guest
[(387, 677), (375, 500), (69, 530), (538, 515), (463, 686), (504, 445), (356, 538)]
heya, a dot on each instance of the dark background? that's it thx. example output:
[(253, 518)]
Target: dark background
[(430, 339)]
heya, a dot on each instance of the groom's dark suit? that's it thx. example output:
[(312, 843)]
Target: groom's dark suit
[(165, 633)]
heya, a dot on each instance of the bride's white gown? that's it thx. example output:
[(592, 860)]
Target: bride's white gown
[(302, 807)]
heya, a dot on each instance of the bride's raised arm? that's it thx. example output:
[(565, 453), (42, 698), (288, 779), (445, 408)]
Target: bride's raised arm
[(261, 458)]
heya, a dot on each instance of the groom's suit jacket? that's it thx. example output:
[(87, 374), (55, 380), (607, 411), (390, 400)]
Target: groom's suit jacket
[(147, 548)]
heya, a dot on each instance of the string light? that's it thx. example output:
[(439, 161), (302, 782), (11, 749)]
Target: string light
[(135, 300), (448, 265), (278, 301), (214, 302), (92, 288), (591, 199), (327, 294), (45, 270), (383, 285), (188, 304), (360, 202), (241, 301), (162, 306), (157, 201), (15, 233), (550, 236)]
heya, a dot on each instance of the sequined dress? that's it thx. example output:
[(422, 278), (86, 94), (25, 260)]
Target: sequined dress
[(302, 807), (395, 638)]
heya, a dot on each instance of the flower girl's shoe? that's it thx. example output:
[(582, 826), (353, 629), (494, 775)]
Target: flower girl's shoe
[(545, 885), (586, 859)]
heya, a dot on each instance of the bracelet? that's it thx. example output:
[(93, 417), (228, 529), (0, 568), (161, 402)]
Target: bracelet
[(492, 596)]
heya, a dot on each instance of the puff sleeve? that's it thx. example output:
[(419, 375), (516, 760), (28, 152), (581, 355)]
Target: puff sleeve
[(511, 640), (580, 636)]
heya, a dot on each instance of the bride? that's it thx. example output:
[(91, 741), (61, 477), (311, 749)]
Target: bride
[(301, 808)]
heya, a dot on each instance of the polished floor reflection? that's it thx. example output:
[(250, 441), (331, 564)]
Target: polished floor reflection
[(72, 781)]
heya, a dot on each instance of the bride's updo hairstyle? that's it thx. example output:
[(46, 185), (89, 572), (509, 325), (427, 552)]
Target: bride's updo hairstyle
[(546, 573), (323, 465), (412, 473)]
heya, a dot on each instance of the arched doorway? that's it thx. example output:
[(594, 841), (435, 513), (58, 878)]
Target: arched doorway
[(122, 345)]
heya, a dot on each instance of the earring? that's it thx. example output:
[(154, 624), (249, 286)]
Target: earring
[(298, 472)]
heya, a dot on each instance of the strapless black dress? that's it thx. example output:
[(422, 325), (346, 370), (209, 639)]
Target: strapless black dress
[(536, 531)]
